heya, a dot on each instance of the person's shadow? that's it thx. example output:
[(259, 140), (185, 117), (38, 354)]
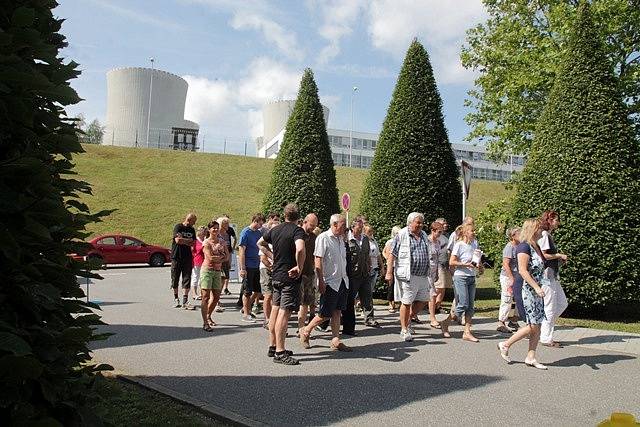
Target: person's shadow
[(591, 361)]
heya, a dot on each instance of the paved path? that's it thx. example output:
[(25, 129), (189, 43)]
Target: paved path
[(384, 381)]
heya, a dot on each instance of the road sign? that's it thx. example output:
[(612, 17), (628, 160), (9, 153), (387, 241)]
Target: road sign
[(346, 201)]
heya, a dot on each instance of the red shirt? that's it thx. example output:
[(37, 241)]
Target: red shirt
[(198, 254)]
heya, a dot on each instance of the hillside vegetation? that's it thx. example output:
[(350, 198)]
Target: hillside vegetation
[(153, 189)]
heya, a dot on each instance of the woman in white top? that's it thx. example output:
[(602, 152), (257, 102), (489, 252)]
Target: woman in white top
[(377, 264), (385, 254), (555, 301), (464, 281)]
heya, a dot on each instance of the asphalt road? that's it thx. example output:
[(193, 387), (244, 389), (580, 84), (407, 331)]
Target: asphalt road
[(384, 381)]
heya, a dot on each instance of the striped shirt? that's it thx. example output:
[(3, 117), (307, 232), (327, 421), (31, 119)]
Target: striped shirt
[(419, 248)]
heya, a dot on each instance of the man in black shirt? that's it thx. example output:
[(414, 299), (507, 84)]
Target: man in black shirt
[(360, 262), (287, 240), (184, 236)]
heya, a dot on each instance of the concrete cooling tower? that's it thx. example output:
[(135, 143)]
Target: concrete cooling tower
[(128, 121), (275, 115)]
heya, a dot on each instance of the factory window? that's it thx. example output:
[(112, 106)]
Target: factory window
[(180, 137)]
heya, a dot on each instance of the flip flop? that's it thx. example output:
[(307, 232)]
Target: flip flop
[(435, 325)]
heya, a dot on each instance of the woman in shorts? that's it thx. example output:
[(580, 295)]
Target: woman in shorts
[(215, 254)]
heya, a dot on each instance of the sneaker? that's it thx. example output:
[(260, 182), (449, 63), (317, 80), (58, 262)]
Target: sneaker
[(176, 303), (219, 308), (285, 359), (227, 292), (406, 336), (248, 319), (272, 352)]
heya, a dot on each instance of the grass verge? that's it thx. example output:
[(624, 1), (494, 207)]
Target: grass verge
[(121, 403)]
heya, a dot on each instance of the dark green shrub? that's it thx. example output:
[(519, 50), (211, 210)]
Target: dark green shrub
[(303, 172), (44, 328), (414, 168), (585, 163)]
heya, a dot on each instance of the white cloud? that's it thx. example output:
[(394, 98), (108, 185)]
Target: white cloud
[(233, 108), (273, 32), (440, 25), (139, 16), (258, 15), (339, 18)]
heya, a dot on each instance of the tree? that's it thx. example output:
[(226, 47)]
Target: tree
[(44, 326), (585, 163), (414, 168), (517, 53), (303, 172), (94, 133)]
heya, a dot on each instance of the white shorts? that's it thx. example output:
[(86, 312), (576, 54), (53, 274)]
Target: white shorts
[(195, 276), (416, 289)]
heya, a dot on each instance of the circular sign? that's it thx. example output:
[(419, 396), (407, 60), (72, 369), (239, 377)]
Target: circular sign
[(346, 201)]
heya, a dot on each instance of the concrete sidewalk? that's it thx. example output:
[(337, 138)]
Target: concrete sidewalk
[(384, 381)]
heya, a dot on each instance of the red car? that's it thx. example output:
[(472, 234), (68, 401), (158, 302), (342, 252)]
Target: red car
[(121, 249)]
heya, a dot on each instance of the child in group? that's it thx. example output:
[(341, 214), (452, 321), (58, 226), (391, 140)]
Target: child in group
[(507, 276)]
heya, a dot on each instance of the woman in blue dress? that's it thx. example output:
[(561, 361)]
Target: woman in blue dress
[(531, 268)]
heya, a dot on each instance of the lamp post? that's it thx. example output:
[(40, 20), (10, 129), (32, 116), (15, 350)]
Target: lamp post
[(353, 92), (150, 92)]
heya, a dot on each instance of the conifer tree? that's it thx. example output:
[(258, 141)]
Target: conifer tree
[(585, 164), (303, 172), (414, 168)]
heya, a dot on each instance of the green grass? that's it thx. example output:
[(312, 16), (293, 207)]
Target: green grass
[(121, 403), (154, 189)]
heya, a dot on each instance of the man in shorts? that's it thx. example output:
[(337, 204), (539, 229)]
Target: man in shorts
[(215, 253), (307, 290), (184, 237), (288, 262), (333, 282), (408, 269), (266, 269), (249, 261)]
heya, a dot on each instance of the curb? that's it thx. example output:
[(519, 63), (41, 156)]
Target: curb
[(205, 408)]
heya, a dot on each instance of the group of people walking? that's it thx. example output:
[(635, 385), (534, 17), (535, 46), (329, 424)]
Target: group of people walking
[(293, 266)]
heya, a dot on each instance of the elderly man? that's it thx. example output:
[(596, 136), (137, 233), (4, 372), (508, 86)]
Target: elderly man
[(184, 237), (408, 268), (333, 282), (360, 259)]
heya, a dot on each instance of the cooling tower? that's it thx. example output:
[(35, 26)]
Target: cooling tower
[(128, 119), (275, 115)]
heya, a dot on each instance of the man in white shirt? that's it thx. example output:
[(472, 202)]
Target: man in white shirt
[(333, 283)]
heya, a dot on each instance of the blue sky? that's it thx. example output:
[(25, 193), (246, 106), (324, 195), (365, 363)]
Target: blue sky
[(237, 55)]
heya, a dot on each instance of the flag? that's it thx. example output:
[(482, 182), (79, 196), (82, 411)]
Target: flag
[(466, 176)]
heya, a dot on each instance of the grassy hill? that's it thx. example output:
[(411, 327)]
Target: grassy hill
[(154, 189)]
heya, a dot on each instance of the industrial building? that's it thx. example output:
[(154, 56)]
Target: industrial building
[(145, 108), (356, 149)]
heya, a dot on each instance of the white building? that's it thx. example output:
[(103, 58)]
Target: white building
[(357, 149), (133, 121)]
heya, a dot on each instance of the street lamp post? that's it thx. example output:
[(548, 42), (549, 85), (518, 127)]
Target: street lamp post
[(353, 92), (149, 110)]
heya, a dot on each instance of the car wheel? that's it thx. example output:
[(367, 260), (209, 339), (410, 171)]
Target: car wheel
[(156, 260), (96, 260)]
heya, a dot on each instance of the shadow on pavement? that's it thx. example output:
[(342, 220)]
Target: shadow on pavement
[(591, 361), (395, 351), (105, 303), (298, 399), (128, 335)]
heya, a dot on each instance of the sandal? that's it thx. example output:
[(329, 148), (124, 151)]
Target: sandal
[(285, 359), (372, 323), (553, 344), (435, 325), (504, 352), (207, 328), (341, 347), (535, 364)]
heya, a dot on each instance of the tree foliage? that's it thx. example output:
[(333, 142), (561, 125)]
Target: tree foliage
[(517, 52), (91, 133), (44, 327), (303, 172), (414, 168), (585, 163)]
